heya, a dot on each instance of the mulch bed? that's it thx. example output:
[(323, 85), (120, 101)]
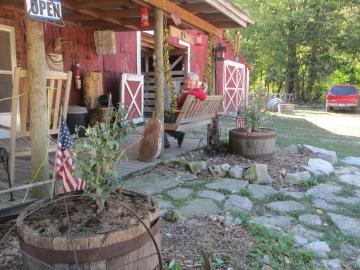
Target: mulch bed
[(184, 242), (282, 160)]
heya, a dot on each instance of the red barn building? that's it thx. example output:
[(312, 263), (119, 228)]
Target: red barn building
[(134, 55)]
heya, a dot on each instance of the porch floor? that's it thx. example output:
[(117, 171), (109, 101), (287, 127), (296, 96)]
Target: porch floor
[(125, 168)]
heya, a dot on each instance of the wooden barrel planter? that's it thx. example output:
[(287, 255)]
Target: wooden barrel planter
[(256, 144), (99, 243), (286, 108)]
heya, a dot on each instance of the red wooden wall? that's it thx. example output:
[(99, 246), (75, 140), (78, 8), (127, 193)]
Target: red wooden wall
[(79, 47)]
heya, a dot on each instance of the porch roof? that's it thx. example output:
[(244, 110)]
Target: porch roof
[(210, 16)]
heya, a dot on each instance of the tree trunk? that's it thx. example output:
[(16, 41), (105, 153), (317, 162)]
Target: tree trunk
[(36, 66), (159, 66), (213, 138), (292, 69)]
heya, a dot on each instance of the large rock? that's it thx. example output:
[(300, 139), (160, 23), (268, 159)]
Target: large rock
[(258, 173), (355, 161), (217, 171), (273, 221), (323, 191), (324, 205), (225, 167), (297, 178), (333, 264), (179, 193), (310, 235), (286, 206), (236, 172), (310, 220), (230, 185), (292, 148), (347, 225), (238, 203), (199, 207), (324, 154), (273, 103), (260, 192), (197, 166), (319, 167), (210, 194), (151, 183), (320, 248), (352, 179)]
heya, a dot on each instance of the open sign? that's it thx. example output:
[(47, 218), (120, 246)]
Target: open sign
[(44, 9)]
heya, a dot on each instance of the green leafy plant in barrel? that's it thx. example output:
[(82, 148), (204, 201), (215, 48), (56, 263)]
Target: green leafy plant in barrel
[(98, 152), (255, 110)]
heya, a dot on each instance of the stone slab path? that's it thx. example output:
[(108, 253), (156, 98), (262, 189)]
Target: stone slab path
[(318, 217)]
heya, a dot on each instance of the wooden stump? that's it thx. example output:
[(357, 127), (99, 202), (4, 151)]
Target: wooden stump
[(127, 249)]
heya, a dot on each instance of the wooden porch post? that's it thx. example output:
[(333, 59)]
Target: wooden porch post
[(36, 66), (159, 65)]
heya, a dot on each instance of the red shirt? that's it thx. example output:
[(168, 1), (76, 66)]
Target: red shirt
[(197, 92)]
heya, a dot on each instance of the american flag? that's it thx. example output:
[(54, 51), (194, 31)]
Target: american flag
[(65, 164)]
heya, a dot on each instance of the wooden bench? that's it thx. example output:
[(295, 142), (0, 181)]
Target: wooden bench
[(196, 113)]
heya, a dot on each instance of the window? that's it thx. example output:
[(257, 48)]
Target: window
[(7, 65)]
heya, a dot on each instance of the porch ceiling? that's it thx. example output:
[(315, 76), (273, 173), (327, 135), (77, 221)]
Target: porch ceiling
[(210, 16)]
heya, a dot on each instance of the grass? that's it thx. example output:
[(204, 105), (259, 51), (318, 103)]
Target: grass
[(176, 202), (280, 196), (197, 185), (243, 216), (299, 130), (244, 192), (311, 182), (280, 250), (346, 191)]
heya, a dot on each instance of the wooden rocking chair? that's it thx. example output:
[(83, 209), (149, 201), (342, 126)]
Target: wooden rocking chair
[(58, 91)]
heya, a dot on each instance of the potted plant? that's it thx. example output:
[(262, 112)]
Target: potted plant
[(99, 228), (253, 141)]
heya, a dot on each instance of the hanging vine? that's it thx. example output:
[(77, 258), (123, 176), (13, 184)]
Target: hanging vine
[(209, 66), (167, 70)]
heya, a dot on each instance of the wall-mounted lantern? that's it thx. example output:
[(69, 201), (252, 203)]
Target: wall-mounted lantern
[(220, 52)]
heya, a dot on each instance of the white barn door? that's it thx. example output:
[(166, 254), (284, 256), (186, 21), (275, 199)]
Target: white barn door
[(132, 96)]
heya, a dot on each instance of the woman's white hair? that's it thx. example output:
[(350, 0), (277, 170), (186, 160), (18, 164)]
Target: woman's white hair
[(193, 76)]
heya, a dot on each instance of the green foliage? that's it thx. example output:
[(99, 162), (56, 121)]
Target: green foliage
[(311, 182), (301, 46), (243, 216), (280, 250), (98, 152), (280, 196), (244, 192), (255, 109)]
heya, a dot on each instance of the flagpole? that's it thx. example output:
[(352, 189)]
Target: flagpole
[(57, 145)]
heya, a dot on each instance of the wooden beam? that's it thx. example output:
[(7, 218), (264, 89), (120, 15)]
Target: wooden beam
[(199, 8), (39, 129), (95, 4), (159, 67), (97, 14), (185, 15), (125, 13)]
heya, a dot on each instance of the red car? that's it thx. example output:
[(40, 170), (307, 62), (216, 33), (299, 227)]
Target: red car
[(341, 97)]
